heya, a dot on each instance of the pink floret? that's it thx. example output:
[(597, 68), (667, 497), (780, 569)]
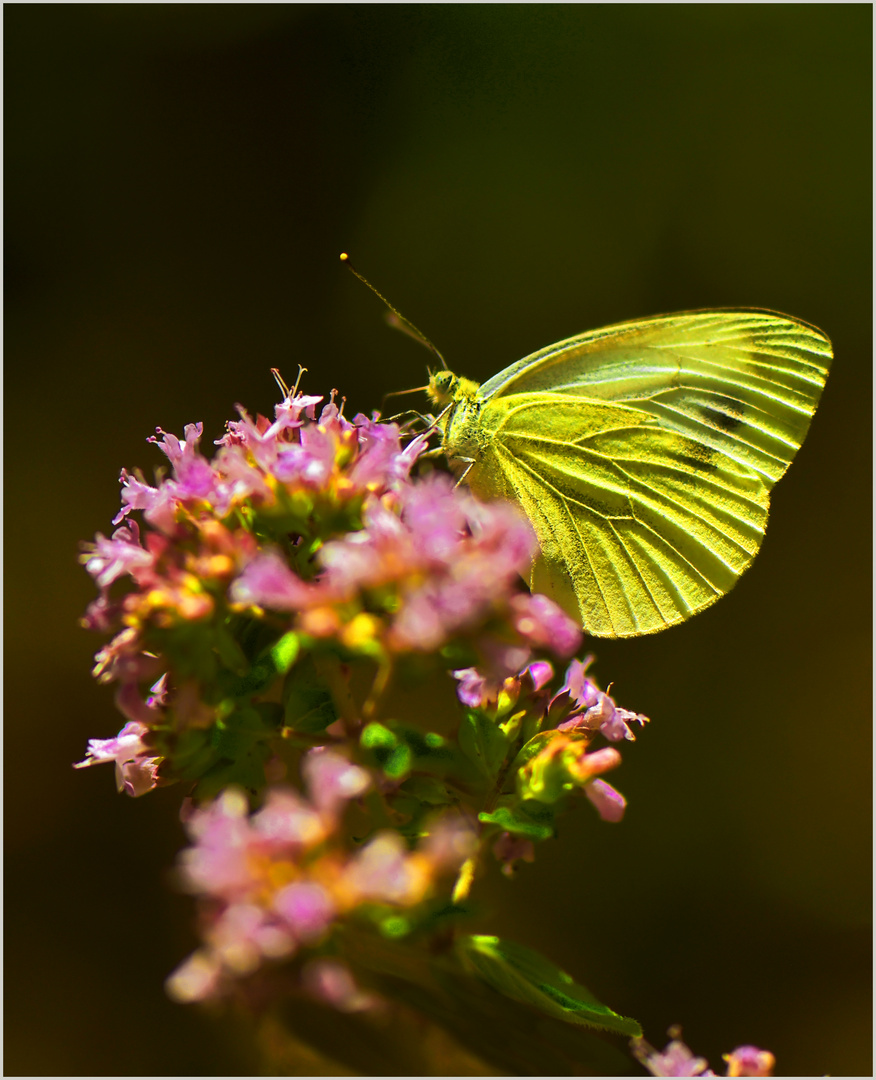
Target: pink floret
[(136, 764), (332, 780), (750, 1061), (269, 582), (122, 554), (609, 803)]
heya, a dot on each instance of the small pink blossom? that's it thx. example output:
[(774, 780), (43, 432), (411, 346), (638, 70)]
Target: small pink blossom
[(106, 560), (508, 849), (381, 461), (330, 981), (332, 780), (540, 673), (592, 709), (609, 803), (195, 477), (449, 841), (269, 582), (675, 1059), (159, 505), (473, 689), (199, 977), (544, 625), (306, 908), (750, 1061), (245, 933), (382, 870), (136, 763)]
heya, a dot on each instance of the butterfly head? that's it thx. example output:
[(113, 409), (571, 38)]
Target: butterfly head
[(445, 388)]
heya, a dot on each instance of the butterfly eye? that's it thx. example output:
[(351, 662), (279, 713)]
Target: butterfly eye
[(442, 387)]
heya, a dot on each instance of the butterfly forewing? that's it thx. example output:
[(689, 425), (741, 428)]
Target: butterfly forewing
[(644, 453), (743, 382)]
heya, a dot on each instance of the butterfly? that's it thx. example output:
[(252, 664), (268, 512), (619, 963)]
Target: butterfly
[(643, 454)]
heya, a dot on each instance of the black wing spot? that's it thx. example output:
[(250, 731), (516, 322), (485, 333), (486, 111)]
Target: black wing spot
[(725, 413)]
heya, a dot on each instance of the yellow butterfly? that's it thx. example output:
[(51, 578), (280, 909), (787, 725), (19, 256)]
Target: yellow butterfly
[(643, 454)]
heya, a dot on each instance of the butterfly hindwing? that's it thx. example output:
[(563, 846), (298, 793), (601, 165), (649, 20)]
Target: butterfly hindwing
[(646, 526)]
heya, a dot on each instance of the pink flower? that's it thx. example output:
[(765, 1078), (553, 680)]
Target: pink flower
[(219, 862), (450, 840), (508, 849), (544, 625), (158, 504), (245, 933), (383, 870), (330, 981), (195, 478), (473, 689), (540, 674), (582, 693), (136, 764), (609, 803), (750, 1061), (269, 582), (593, 710), (199, 977), (332, 780), (306, 908), (381, 462), (674, 1060), (288, 821), (106, 560)]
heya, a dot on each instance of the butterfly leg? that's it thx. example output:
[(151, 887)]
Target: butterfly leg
[(426, 418), (469, 463)]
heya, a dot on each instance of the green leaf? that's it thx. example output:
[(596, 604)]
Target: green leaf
[(532, 747), (427, 789), (483, 742), (308, 704), (272, 662), (526, 976), (398, 750), (248, 771), (238, 732), (285, 652), (515, 1038), (192, 754), (229, 650), (529, 819), (386, 749)]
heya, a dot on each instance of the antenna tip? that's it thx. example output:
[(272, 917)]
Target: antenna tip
[(344, 257)]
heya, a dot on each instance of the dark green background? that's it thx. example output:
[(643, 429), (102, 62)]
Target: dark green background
[(179, 182)]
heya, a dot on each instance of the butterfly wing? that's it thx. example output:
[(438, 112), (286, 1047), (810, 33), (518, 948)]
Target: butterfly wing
[(644, 455)]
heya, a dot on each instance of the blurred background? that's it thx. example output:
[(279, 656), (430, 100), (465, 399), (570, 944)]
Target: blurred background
[(179, 182)]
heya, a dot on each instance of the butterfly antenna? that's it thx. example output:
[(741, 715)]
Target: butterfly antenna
[(396, 318)]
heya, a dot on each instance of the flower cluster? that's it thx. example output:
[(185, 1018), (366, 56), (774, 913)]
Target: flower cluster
[(554, 734), (676, 1059), (278, 881), (304, 538)]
